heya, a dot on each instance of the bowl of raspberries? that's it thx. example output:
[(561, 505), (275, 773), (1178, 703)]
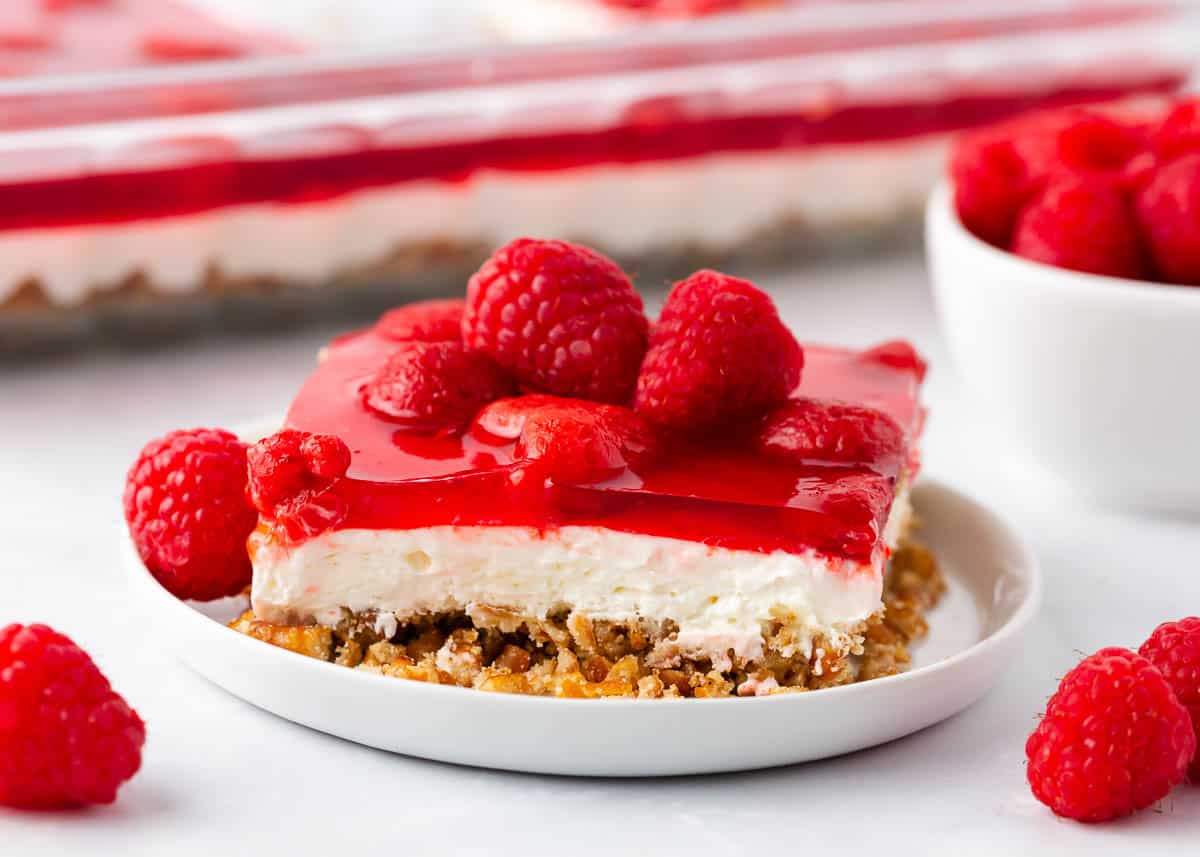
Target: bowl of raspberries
[(1064, 248)]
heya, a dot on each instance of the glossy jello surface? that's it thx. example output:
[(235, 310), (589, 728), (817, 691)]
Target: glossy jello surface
[(722, 492), (185, 176)]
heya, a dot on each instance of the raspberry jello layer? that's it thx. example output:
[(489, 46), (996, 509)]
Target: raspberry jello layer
[(713, 553), (400, 175)]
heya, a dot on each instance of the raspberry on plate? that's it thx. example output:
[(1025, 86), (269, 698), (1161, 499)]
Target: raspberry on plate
[(291, 474), (1168, 210), (560, 318), (816, 430), (1174, 648), (719, 355), (185, 504), (1114, 739), (1082, 224), (66, 737), (424, 321), (571, 440), (435, 387)]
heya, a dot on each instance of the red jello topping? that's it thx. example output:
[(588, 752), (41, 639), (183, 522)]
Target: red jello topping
[(722, 493)]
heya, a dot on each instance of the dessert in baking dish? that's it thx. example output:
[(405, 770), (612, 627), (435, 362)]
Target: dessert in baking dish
[(534, 492), (757, 148)]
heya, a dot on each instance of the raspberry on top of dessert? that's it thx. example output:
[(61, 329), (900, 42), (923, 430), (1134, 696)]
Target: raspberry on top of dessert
[(1115, 193), (703, 486)]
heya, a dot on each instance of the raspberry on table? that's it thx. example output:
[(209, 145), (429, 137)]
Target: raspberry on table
[(1168, 211), (185, 504), (571, 440), (66, 737), (1174, 648), (817, 430), (559, 318), (1083, 224), (424, 321), (1114, 739), (719, 355), (292, 475), (898, 354), (435, 387)]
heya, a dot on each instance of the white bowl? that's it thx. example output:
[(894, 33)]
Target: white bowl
[(1094, 377)]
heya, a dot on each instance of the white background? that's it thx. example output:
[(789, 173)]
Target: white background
[(222, 778)]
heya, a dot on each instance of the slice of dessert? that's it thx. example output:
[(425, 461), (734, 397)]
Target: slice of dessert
[(728, 532)]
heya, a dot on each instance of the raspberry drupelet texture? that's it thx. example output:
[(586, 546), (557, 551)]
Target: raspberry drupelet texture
[(719, 355), (1082, 224), (1174, 648), (1114, 739), (991, 185), (435, 387), (425, 321), (570, 440), (1096, 144), (816, 430), (185, 504), (559, 318), (66, 738), (1168, 210), (291, 476), (1179, 133)]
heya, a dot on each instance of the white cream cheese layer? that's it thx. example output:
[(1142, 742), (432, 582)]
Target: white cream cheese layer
[(716, 201), (719, 598)]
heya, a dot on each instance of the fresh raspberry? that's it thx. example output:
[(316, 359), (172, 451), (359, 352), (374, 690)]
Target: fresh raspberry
[(1092, 143), (185, 504), (435, 387), (1138, 172), (1114, 739), (293, 477), (1082, 224), (1174, 648), (1168, 211), (425, 321), (1179, 133), (997, 171), (991, 184), (817, 430), (898, 354), (66, 737), (560, 318), (572, 440), (718, 355)]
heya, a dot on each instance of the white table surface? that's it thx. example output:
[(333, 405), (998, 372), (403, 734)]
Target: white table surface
[(221, 777)]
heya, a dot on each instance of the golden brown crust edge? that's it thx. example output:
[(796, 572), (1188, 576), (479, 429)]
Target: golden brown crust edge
[(573, 657)]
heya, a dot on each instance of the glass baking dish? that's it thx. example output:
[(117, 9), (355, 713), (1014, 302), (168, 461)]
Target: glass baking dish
[(319, 176)]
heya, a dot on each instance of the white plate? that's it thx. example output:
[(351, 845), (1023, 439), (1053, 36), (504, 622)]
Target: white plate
[(995, 589)]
